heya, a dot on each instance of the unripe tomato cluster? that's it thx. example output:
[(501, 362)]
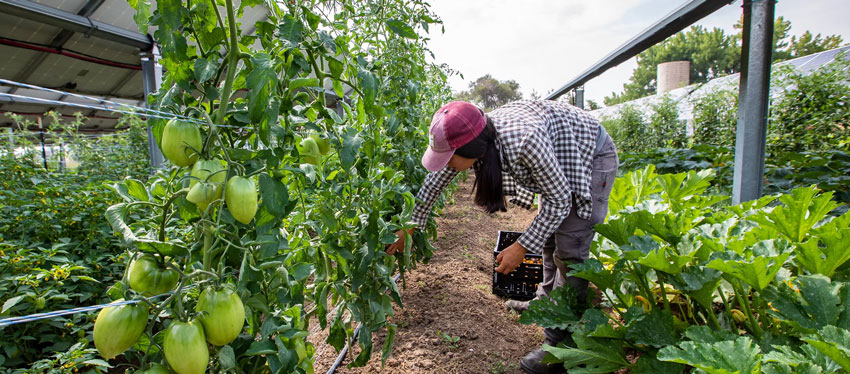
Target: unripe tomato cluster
[(220, 313)]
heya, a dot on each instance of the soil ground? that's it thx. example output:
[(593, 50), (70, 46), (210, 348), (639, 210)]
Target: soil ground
[(451, 295)]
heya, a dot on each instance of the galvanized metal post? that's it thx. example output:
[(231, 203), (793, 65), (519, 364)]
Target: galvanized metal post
[(152, 78), (753, 97), (579, 92)]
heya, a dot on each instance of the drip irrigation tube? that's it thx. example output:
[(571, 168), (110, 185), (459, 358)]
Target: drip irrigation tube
[(356, 333)]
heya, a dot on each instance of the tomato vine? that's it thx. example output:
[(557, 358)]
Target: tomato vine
[(323, 106)]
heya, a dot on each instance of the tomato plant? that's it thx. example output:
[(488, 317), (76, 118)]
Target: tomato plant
[(321, 105)]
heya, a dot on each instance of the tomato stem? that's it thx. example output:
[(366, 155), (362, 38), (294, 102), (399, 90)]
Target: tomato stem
[(166, 209), (233, 57)]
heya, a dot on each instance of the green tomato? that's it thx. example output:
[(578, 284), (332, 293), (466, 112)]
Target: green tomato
[(155, 369), (323, 143), (202, 194), (185, 348), (223, 314), (213, 169), (117, 328), (241, 198), (180, 142), (149, 279), (309, 151)]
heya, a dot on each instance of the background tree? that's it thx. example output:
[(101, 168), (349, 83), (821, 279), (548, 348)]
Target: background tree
[(714, 53), (489, 93)]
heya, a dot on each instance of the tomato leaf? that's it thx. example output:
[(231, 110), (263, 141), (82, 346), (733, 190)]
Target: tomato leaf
[(401, 29), (275, 195), (143, 12), (205, 69), (291, 30), (137, 189), (262, 347), (389, 341), (336, 335), (369, 86), (226, 358), (351, 142)]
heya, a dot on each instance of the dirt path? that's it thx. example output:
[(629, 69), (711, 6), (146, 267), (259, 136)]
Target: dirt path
[(451, 295)]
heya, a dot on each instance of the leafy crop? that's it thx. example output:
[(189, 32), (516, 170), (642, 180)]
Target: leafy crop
[(688, 280), (332, 107)]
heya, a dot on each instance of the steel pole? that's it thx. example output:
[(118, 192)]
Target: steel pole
[(579, 98), (152, 78), (753, 97)]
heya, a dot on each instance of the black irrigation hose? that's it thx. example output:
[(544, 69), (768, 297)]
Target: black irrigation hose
[(344, 351)]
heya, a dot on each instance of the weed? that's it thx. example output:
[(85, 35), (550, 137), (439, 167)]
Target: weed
[(452, 341)]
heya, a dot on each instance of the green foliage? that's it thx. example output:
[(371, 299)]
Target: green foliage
[(712, 53), (739, 281), (628, 129), (716, 118), (589, 356), (56, 252), (316, 244), (557, 312), (490, 93), (741, 355), (812, 110), (633, 132), (665, 127)]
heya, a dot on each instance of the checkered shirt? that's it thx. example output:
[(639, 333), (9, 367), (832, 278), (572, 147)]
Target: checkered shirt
[(546, 147)]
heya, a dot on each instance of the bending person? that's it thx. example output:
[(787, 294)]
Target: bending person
[(545, 147)]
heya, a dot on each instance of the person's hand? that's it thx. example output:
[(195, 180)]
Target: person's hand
[(510, 258), (399, 244)]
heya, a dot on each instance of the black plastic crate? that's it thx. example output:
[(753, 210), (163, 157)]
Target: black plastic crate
[(520, 284)]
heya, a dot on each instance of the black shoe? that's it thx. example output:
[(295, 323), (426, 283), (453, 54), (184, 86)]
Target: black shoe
[(532, 363)]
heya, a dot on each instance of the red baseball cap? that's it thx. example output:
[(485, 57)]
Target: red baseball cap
[(454, 125)]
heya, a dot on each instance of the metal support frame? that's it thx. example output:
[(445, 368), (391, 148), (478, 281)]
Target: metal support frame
[(674, 22), (57, 42), (579, 96), (73, 22), (753, 97), (152, 79)]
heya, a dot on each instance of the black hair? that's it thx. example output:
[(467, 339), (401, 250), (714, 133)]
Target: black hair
[(489, 193)]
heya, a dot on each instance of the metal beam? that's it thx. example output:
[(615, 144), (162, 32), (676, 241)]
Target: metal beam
[(57, 42), (674, 22), (152, 80), (73, 22), (753, 98), (118, 85), (579, 97)]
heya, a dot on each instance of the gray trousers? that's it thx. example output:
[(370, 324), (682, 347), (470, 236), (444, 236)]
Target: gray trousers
[(570, 243)]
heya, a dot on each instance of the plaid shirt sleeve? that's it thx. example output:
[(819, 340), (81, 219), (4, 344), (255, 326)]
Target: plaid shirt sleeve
[(555, 194), (519, 196), (435, 183)]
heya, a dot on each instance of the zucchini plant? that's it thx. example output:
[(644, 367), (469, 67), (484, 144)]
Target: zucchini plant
[(687, 280)]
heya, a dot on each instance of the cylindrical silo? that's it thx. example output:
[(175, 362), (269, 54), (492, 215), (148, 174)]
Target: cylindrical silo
[(673, 75)]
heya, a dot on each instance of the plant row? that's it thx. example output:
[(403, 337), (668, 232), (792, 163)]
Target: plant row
[(687, 280)]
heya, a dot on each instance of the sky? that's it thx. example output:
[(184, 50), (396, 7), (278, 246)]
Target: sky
[(543, 44)]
